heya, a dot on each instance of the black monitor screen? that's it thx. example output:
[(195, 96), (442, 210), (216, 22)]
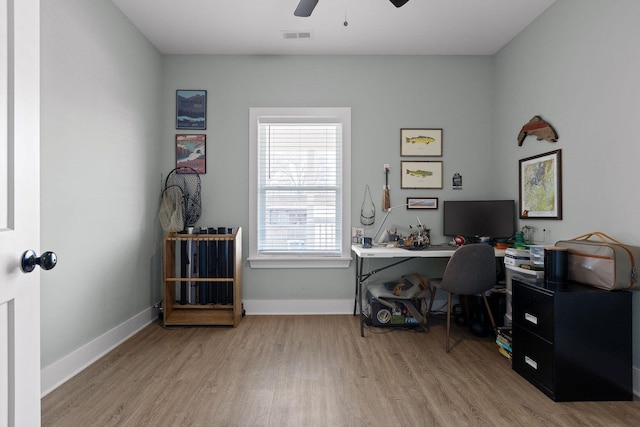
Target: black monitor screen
[(469, 218)]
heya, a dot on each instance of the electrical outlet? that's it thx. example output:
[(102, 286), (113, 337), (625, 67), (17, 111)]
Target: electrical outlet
[(538, 235)]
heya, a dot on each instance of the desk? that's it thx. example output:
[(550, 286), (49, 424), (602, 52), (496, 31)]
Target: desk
[(395, 256)]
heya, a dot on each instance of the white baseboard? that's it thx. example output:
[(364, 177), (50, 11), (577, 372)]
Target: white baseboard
[(296, 306), (62, 370)]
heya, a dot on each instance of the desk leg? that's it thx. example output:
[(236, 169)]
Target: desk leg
[(361, 278), (355, 294), (360, 296)]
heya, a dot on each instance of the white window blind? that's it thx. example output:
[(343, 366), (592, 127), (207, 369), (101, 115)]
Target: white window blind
[(300, 182), (299, 197)]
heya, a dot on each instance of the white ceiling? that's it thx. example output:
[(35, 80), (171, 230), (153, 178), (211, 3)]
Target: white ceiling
[(376, 27)]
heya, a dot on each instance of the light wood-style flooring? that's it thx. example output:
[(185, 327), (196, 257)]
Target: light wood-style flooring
[(297, 371)]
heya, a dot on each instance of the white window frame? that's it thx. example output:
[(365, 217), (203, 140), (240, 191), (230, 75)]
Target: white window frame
[(300, 260)]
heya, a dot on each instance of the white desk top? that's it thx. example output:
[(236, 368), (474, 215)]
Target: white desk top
[(436, 251)]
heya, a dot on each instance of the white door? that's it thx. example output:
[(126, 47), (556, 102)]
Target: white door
[(19, 211)]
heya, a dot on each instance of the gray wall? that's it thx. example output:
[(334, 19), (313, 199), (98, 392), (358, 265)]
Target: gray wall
[(100, 179), (584, 81), (108, 134), (385, 94)]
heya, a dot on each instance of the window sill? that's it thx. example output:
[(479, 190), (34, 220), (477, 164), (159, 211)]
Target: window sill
[(299, 262)]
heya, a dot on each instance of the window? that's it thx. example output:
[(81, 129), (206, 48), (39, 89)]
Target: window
[(300, 185)]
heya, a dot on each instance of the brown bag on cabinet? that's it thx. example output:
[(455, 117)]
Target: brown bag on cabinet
[(605, 264)]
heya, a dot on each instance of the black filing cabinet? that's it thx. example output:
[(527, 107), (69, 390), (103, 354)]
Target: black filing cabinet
[(573, 342)]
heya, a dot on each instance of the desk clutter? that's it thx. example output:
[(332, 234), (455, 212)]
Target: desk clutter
[(412, 237), (403, 303), (594, 259), (396, 303)]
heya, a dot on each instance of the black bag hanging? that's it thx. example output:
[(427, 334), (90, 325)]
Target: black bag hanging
[(368, 209)]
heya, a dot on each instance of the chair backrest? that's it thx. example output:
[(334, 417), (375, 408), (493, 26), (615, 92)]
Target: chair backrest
[(471, 270)]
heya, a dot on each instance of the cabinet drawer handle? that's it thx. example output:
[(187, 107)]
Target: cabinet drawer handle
[(529, 361), (531, 318)]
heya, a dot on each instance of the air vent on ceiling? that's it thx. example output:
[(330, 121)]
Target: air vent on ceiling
[(297, 35)]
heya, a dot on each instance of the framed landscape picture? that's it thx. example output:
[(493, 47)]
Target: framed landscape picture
[(191, 109), (421, 142), (421, 174), (422, 203), (191, 152), (540, 179)]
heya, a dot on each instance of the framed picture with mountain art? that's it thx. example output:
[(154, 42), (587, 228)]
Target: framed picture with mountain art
[(422, 203), (191, 152), (191, 109), (421, 174), (421, 142)]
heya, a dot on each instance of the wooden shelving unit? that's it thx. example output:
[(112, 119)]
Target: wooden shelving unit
[(176, 314)]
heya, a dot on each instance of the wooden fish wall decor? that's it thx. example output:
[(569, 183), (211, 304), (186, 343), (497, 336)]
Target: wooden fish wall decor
[(539, 128)]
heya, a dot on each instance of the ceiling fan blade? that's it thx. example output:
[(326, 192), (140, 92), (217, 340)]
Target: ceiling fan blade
[(305, 7), (399, 3)]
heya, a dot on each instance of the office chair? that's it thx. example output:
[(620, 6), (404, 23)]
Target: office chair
[(470, 271)]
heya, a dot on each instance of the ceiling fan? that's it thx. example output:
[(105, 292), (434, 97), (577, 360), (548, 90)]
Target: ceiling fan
[(305, 7)]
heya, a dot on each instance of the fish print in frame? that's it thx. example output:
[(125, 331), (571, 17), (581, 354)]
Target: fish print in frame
[(420, 142), (422, 174)]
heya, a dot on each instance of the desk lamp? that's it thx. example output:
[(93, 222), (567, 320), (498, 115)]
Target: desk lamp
[(385, 218)]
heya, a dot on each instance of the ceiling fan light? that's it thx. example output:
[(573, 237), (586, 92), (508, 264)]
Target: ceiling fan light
[(305, 7), (399, 3)]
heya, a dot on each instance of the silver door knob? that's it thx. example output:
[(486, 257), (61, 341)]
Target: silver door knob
[(46, 261)]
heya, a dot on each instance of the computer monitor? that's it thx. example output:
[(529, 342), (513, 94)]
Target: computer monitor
[(486, 218)]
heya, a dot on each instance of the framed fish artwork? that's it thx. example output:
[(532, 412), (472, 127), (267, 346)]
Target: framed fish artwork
[(426, 174), (421, 142)]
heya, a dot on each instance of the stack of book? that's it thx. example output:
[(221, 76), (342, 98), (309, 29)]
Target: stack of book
[(503, 339)]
